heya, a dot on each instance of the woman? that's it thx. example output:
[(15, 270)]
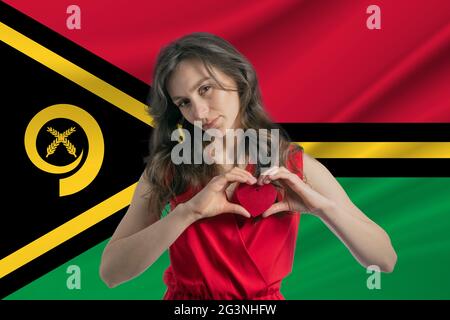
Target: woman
[(217, 249)]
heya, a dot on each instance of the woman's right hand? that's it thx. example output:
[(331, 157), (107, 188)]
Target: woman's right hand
[(212, 199)]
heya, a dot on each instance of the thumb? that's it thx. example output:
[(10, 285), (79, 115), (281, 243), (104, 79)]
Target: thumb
[(235, 208), (275, 208)]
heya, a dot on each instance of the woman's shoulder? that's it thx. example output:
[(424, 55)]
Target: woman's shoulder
[(295, 148)]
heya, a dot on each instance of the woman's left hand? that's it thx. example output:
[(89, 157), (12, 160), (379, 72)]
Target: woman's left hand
[(297, 195)]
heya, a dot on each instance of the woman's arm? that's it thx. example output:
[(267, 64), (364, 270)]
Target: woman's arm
[(324, 197), (367, 241), (141, 238)]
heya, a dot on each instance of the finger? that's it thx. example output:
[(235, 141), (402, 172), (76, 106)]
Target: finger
[(239, 176), (237, 209), (287, 171), (266, 172), (284, 169), (271, 170), (289, 178), (241, 172), (223, 181), (275, 208), (238, 170), (231, 178), (248, 176)]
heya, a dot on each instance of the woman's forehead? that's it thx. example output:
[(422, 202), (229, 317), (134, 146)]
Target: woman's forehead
[(184, 76), (189, 74)]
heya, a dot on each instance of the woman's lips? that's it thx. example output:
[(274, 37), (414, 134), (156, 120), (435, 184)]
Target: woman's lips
[(211, 124)]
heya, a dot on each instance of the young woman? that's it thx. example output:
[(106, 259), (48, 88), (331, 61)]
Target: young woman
[(217, 249)]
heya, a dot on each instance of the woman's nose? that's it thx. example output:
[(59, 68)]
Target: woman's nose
[(200, 110)]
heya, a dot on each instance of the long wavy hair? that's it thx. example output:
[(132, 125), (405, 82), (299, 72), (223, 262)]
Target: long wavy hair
[(167, 179)]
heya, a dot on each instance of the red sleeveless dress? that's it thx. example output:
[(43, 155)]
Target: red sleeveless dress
[(230, 257)]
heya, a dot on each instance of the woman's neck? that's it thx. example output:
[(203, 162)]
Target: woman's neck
[(229, 156)]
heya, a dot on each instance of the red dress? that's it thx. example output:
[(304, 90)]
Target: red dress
[(229, 256)]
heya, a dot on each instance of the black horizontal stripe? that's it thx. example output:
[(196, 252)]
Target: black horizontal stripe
[(367, 132), (393, 167)]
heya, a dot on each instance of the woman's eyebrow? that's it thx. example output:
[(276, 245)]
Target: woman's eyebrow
[(193, 87)]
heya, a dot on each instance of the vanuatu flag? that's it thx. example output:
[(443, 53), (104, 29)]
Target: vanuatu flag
[(363, 88)]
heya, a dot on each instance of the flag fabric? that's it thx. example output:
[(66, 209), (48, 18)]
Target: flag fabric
[(365, 89)]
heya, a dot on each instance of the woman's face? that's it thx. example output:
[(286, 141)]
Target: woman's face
[(200, 98)]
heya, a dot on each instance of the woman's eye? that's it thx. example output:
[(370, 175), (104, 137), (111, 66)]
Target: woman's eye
[(204, 89), (182, 104)]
